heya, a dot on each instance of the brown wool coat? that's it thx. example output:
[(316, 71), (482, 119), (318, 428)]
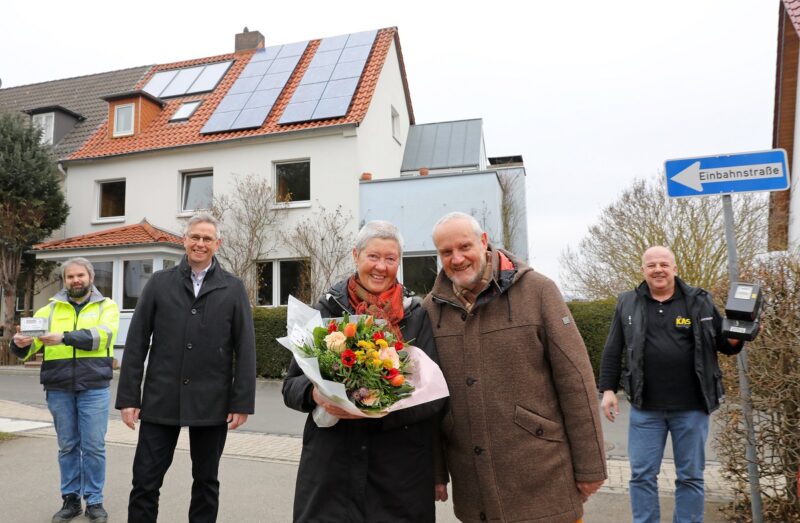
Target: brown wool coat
[(523, 423)]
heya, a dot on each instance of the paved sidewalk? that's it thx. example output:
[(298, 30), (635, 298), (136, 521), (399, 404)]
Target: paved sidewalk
[(610, 506)]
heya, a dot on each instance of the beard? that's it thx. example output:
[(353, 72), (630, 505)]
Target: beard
[(78, 291)]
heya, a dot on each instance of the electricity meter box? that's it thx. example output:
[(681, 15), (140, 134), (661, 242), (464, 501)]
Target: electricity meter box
[(742, 311)]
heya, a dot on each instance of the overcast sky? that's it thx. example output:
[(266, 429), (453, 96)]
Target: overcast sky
[(592, 94)]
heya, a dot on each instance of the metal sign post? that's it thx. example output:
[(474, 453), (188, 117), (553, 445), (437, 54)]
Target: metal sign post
[(744, 381)]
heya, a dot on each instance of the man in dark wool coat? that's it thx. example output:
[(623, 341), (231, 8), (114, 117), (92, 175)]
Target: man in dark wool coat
[(200, 372)]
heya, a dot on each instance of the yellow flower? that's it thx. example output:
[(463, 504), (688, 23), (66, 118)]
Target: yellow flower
[(372, 354), (376, 363), (388, 364), (381, 343), (360, 356), (366, 344)]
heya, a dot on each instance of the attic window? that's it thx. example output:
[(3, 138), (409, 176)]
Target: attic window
[(44, 121), (123, 120), (185, 111)]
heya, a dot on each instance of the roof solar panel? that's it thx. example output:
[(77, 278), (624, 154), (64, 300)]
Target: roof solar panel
[(159, 81), (219, 121), (251, 118), (332, 107), (333, 42), (362, 38), (298, 112), (250, 99), (255, 69), (209, 77), (331, 78), (182, 81)]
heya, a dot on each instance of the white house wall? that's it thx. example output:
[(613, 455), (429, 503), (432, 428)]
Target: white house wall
[(379, 152)]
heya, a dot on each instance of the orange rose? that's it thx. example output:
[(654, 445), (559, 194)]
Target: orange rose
[(350, 330), (397, 380)]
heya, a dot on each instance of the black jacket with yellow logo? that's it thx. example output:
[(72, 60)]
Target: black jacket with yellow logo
[(623, 355)]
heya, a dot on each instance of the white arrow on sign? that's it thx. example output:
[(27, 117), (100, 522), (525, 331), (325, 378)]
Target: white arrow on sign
[(694, 177)]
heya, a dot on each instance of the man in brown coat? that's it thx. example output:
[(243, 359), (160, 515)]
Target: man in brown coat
[(521, 438)]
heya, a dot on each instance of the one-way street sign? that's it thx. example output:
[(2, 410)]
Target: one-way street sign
[(730, 173)]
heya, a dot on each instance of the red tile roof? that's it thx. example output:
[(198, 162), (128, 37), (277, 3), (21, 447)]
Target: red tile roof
[(793, 10), (138, 234), (163, 134)]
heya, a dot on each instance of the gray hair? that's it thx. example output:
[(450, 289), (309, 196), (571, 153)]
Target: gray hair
[(378, 229), (83, 262), (202, 217), (458, 215)]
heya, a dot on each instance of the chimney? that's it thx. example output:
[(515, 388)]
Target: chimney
[(248, 40)]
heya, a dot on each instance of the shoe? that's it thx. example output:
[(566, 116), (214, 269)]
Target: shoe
[(96, 513), (70, 509)]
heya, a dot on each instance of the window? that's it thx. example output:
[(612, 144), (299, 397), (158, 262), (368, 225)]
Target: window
[(111, 199), (167, 264), (104, 277), (185, 111), (293, 181), (135, 275), (123, 120), (44, 122), (292, 278), (419, 273), (197, 191), (395, 124)]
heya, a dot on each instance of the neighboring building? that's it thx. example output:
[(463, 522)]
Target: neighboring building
[(784, 206), (445, 169), (308, 117)]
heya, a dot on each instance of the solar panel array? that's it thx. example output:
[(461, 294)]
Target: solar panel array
[(328, 85), (189, 80), (250, 99)]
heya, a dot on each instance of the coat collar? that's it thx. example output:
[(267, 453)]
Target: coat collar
[(94, 297), (212, 280)]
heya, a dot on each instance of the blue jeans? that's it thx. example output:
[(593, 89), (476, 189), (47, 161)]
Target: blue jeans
[(647, 436), (81, 420)]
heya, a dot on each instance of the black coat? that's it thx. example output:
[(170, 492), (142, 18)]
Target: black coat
[(202, 359), (623, 355), (366, 470)]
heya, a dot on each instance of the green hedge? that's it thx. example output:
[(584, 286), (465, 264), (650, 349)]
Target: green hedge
[(272, 360), (593, 319)]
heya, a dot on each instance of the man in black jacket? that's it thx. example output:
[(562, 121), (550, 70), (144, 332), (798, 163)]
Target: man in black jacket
[(663, 344), (200, 371)]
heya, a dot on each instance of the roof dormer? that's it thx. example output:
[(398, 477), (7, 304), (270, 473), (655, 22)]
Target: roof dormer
[(55, 122), (130, 112)]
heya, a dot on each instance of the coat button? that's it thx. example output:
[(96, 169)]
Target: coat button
[(540, 431), (483, 516), (186, 381), (464, 316), (478, 450), (189, 346), (471, 382), (194, 311)]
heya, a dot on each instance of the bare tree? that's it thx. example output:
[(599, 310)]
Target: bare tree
[(608, 259), (250, 224), (325, 239)]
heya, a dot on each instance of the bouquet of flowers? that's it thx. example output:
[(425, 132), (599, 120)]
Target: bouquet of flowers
[(357, 363)]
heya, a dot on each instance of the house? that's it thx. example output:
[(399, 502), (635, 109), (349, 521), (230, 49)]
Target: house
[(438, 157), (784, 206), (309, 118)]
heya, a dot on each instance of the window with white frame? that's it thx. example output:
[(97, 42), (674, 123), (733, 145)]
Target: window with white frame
[(280, 278), (293, 181), (104, 277), (44, 121), (123, 120), (111, 199), (395, 124), (197, 190), (185, 111), (419, 273), (135, 274)]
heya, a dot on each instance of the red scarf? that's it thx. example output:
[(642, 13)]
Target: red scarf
[(387, 305)]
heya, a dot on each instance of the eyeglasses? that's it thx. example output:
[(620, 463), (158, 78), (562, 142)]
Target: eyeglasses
[(389, 261), (196, 238)]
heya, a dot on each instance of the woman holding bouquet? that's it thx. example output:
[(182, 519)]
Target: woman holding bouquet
[(365, 470)]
